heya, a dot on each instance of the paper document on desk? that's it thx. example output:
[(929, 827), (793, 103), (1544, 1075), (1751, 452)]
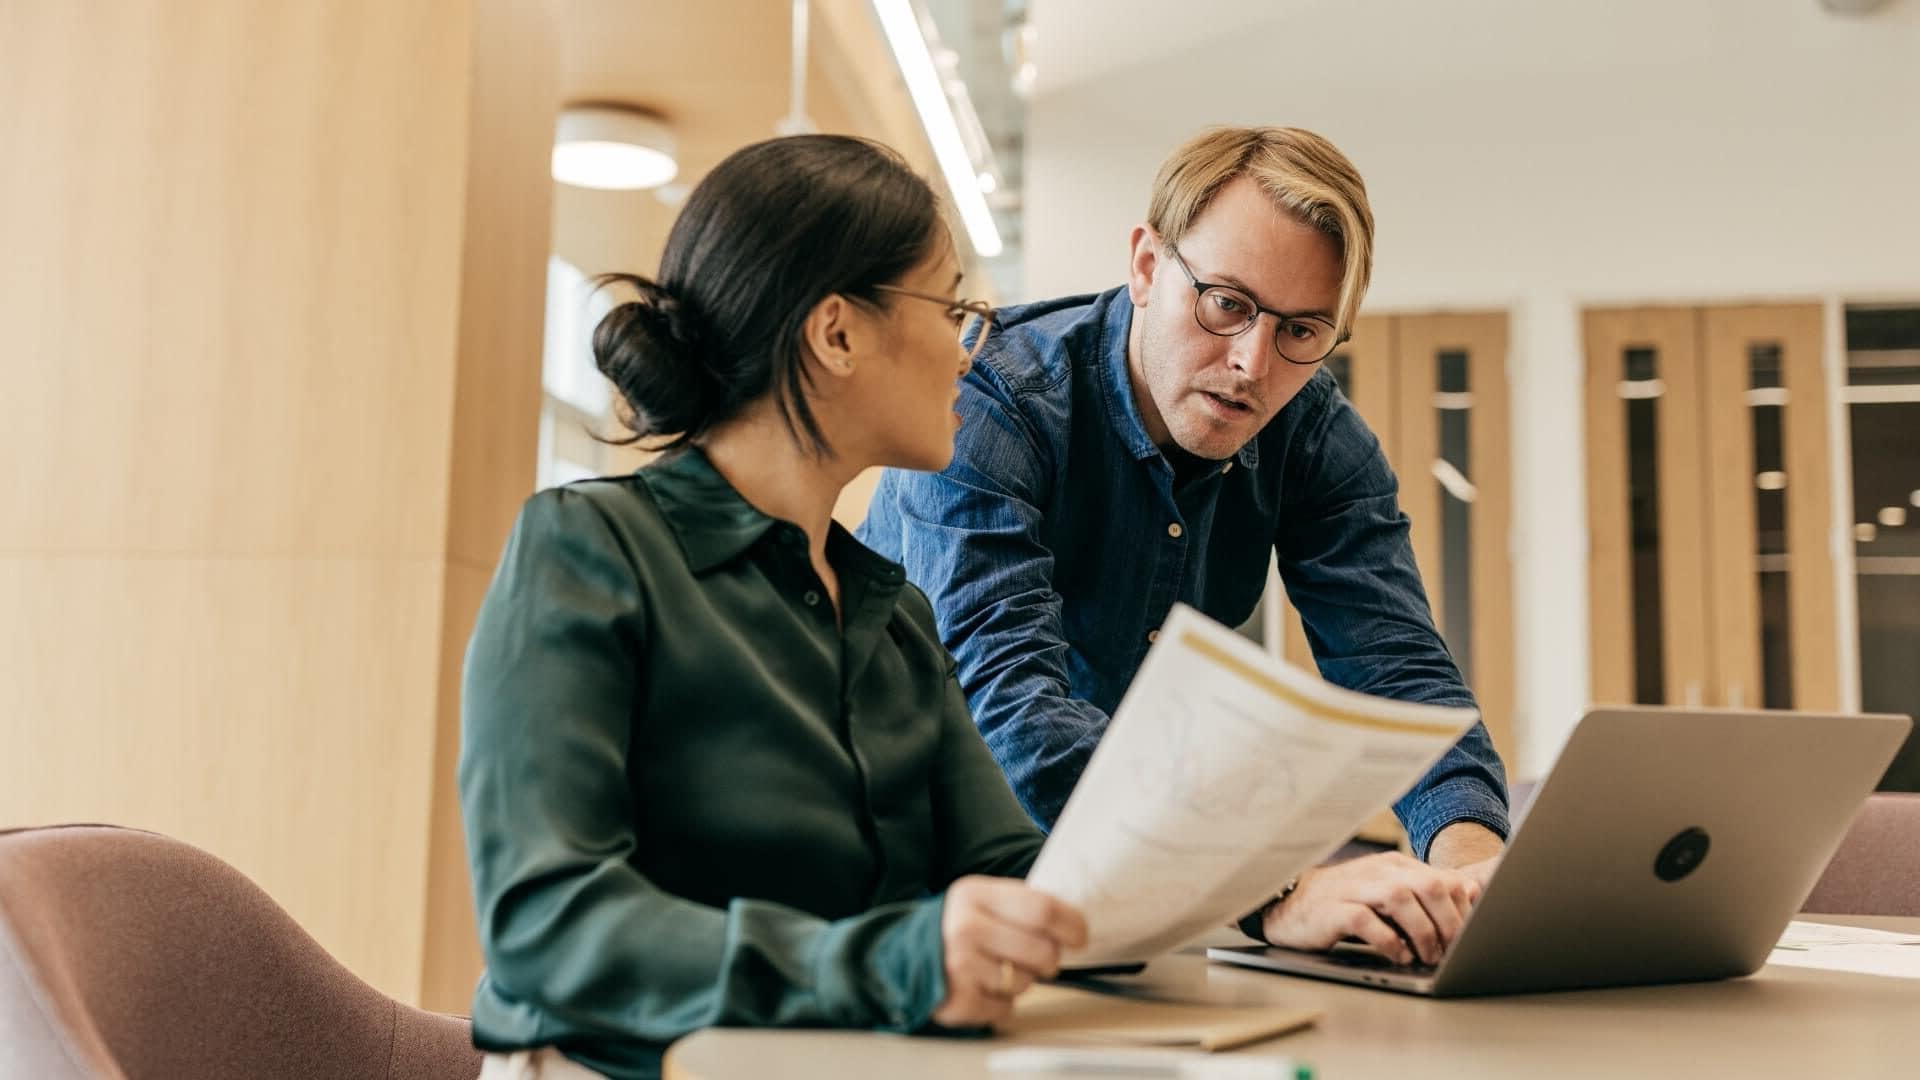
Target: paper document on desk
[(1801, 936), (1848, 948), (1223, 775)]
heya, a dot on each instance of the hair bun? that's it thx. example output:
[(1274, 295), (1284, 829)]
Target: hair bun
[(654, 349), (671, 322), (656, 313)]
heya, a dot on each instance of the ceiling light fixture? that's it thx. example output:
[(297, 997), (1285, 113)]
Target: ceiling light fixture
[(924, 84), (612, 147)]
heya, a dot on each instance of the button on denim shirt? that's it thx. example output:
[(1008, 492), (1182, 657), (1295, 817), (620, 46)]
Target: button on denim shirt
[(1059, 539)]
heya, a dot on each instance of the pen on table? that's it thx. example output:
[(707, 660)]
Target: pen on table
[(1173, 1064)]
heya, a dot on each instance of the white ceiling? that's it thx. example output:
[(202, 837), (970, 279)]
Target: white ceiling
[(1077, 40)]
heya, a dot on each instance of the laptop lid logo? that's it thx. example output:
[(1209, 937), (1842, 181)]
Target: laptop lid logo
[(1682, 855)]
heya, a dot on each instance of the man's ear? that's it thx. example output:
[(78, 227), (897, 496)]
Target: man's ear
[(1142, 262), (832, 331)]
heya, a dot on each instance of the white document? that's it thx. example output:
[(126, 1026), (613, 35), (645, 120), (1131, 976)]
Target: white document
[(1848, 948), (1223, 775), (1814, 935)]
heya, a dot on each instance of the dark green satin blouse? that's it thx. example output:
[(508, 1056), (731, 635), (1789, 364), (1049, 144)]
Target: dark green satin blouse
[(690, 797)]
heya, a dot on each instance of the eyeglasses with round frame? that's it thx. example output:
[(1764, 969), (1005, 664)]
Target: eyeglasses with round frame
[(977, 308), (1227, 311)]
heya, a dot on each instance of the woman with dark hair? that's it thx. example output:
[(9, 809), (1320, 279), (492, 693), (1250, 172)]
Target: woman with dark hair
[(715, 766)]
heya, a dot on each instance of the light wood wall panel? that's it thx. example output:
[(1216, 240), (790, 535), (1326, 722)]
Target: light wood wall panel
[(514, 88), (1609, 545), (1711, 618), (1684, 568), (1417, 443), (1375, 378), (1679, 450), (229, 228), (267, 710), (1482, 338), (1730, 333), (452, 964), (1814, 607), (1492, 527), (1732, 517), (273, 283)]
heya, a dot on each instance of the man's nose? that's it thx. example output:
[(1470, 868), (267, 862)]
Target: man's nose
[(1252, 350)]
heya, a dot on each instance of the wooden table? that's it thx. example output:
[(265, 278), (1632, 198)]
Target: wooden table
[(1780, 1022)]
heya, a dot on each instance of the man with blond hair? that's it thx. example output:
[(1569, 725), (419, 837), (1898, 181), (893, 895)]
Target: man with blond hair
[(1157, 443)]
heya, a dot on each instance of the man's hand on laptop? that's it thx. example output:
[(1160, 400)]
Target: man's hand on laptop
[(1407, 910)]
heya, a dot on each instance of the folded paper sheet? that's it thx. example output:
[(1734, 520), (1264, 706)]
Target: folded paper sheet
[(1069, 1014), (1224, 774)]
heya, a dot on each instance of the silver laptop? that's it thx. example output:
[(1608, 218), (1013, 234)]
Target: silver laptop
[(1667, 845)]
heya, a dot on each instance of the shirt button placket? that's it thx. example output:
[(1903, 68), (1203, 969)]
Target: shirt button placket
[(1176, 531)]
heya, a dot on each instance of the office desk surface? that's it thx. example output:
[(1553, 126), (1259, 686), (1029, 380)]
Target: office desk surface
[(1780, 1022)]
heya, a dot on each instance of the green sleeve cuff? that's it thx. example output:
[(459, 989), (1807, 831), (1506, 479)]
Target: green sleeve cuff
[(885, 970)]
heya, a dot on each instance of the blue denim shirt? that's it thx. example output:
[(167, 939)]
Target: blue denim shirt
[(1049, 553)]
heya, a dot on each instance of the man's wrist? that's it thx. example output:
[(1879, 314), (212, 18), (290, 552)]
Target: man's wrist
[(1254, 923), (1463, 843)]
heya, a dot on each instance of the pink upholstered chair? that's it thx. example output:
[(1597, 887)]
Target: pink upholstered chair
[(124, 954), (1877, 869)]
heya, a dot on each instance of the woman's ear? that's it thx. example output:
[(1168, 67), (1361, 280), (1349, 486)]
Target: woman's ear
[(832, 332)]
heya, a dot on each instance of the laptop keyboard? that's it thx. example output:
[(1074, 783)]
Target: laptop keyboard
[(1360, 956)]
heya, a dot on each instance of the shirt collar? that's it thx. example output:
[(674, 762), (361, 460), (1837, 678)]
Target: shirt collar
[(709, 518), (1117, 384), (714, 524)]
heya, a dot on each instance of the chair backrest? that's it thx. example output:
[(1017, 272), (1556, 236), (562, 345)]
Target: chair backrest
[(1876, 871), (133, 955)]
